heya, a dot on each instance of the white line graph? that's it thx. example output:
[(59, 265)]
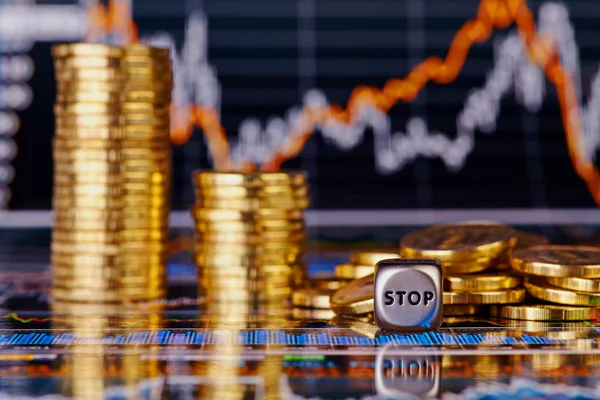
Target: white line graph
[(197, 83)]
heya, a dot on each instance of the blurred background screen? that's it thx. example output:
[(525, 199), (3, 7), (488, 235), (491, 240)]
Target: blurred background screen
[(495, 136)]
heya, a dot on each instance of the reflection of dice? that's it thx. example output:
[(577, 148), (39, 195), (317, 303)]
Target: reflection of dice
[(408, 294), (397, 374)]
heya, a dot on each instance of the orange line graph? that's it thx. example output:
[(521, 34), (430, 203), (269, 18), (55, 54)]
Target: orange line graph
[(491, 14)]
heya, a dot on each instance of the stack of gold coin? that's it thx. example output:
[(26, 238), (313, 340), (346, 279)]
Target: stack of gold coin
[(112, 164), (560, 274), (471, 254), (362, 263), (250, 235)]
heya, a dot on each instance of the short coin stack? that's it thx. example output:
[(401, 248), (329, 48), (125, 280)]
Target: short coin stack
[(471, 254), (112, 164), (250, 236), (568, 276)]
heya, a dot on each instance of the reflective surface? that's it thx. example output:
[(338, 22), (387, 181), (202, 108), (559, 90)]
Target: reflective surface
[(176, 349)]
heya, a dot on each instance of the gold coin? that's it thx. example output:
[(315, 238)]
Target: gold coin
[(576, 284), (350, 271), (251, 239), (545, 312), (87, 259), (558, 261), (217, 215), (159, 144), (222, 259), (266, 249), (103, 121), (326, 284), (141, 50), (311, 298), (87, 50), (101, 167), (273, 284), (245, 192), (372, 257), (88, 74), (312, 314), (65, 87), (258, 272), (544, 291), (528, 239), (234, 296), (108, 109), (467, 267), (110, 156), (150, 179), (218, 195), (101, 236), (253, 204), (254, 179), (487, 297), (157, 98), (91, 62), (458, 242), (356, 298), (481, 282), (290, 228), (89, 296), (460, 310)]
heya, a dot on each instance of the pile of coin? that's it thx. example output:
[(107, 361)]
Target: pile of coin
[(249, 237), (565, 275), (474, 257), (112, 172), (487, 270), (362, 263)]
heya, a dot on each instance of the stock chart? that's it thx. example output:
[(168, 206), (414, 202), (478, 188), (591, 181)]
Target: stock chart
[(388, 104)]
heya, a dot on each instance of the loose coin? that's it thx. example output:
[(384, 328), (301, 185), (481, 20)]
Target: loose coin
[(458, 242), (538, 288), (356, 298), (577, 284), (311, 298), (372, 257), (350, 271), (312, 313), (558, 261), (545, 312), (487, 297), (481, 282)]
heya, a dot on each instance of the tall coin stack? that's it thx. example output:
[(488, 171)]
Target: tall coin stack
[(112, 169), (250, 234)]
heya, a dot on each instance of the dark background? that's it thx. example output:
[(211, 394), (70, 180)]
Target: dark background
[(268, 53)]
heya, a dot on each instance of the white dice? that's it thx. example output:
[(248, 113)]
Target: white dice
[(408, 294)]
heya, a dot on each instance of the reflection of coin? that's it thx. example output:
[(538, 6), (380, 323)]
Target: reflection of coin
[(457, 242), (355, 298), (553, 260), (460, 310)]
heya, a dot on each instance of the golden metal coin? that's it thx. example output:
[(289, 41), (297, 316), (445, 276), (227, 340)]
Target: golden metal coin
[(255, 179), (545, 312), (258, 216), (90, 62), (216, 258), (87, 50), (461, 310), (312, 314), (289, 228), (210, 195), (326, 284), (372, 257), (311, 298), (251, 239), (576, 284), (108, 237), (138, 50), (108, 109), (480, 282), (528, 239), (350, 271), (356, 298), (468, 267), (89, 296), (544, 291), (159, 145), (458, 242), (487, 297), (558, 261), (253, 204), (157, 98), (266, 249)]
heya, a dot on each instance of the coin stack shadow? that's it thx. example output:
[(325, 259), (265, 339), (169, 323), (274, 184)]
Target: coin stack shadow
[(112, 173), (249, 239)]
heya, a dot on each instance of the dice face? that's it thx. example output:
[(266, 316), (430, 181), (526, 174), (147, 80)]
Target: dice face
[(408, 294)]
